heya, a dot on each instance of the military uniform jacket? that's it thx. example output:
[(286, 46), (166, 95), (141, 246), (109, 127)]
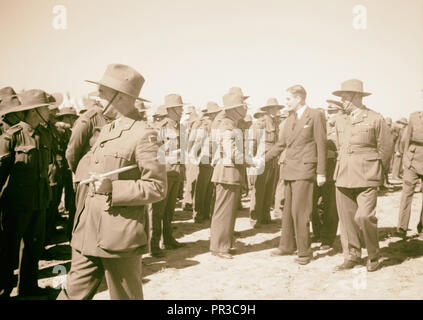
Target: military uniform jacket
[(413, 143), (268, 127), (113, 226), (228, 168), (200, 141), (84, 135), (305, 143), (24, 159), (364, 149), (170, 135)]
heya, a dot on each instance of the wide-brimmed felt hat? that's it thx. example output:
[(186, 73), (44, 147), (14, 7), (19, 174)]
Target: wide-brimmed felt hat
[(8, 100), (174, 100), (141, 107), (403, 121), (272, 103), (335, 105), (32, 99), (351, 86), (122, 78), (233, 100), (238, 91), (67, 111), (161, 111), (190, 110), (212, 107), (258, 113)]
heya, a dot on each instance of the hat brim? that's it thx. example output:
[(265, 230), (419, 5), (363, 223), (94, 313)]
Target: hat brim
[(268, 106), (211, 112), (340, 93), (105, 85), (25, 108), (177, 105), (66, 114)]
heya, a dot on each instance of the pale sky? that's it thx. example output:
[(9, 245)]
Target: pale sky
[(201, 48)]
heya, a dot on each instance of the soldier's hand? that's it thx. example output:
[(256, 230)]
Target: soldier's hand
[(102, 185), (321, 180)]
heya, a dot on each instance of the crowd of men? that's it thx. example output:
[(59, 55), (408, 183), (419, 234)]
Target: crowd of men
[(121, 175)]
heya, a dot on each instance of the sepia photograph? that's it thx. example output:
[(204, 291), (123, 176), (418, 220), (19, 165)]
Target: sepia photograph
[(218, 152)]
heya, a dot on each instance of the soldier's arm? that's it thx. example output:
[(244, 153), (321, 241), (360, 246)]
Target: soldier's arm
[(6, 157), (404, 139), (278, 148), (320, 137), (77, 143), (152, 185), (384, 141)]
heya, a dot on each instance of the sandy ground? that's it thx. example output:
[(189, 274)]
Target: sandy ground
[(192, 273)]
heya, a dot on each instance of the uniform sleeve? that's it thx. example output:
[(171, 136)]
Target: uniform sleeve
[(152, 185), (280, 145), (320, 137), (77, 143), (384, 141), (404, 139), (6, 158)]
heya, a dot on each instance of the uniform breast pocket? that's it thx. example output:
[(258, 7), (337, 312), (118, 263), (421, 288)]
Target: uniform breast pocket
[(372, 167), (270, 135), (26, 156), (364, 135), (417, 133), (117, 158)]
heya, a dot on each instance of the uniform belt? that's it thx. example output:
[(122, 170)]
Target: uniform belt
[(359, 150), (417, 143)]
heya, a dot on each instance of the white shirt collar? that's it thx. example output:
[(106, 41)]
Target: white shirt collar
[(300, 111)]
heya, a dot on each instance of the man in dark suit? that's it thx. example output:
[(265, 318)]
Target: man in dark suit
[(304, 138)]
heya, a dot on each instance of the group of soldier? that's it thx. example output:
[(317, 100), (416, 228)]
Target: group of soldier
[(122, 175)]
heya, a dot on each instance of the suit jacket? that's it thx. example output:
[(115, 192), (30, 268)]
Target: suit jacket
[(229, 166), (365, 147), (305, 146), (83, 134), (413, 143), (113, 226)]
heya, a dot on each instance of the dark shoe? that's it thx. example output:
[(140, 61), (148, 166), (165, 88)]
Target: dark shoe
[(157, 253), (237, 233), (401, 233), (302, 260), (222, 255), (373, 265), (173, 245), (277, 252), (325, 247), (347, 265), (187, 207)]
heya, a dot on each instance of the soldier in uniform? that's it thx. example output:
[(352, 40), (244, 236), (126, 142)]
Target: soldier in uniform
[(109, 234), (65, 121), (399, 150), (280, 186), (192, 170), (365, 146), (86, 129), (24, 162), (412, 150), (262, 191), (158, 117), (304, 138), (200, 140), (164, 210), (329, 219), (227, 173)]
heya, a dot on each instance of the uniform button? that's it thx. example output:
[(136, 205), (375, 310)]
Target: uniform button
[(101, 145), (96, 161)]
